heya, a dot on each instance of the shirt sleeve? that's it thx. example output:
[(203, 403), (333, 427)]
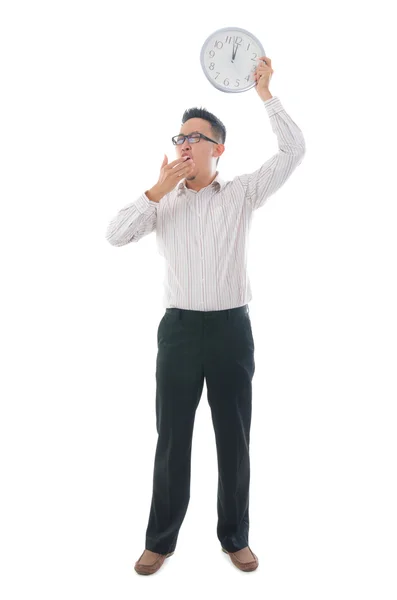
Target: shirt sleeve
[(266, 180), (133, 222)]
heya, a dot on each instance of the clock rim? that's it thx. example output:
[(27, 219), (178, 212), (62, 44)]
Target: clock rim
[(217, 85)]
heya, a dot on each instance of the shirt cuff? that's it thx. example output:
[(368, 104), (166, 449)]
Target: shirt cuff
[(143, 203), (273, 106)]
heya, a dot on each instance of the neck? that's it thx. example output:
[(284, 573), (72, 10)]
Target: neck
[(196, 184)]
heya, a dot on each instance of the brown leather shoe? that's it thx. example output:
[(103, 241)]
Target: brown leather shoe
[(150, 569), (244, 566)]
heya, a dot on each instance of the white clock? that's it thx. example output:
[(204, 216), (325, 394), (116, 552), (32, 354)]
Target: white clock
[(229, 59)]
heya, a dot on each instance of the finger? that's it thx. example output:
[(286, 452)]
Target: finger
[(185, 165), (179, 173), (262, 67), (178, 161)]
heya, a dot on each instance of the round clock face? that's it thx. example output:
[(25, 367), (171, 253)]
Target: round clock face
[(229, 59)]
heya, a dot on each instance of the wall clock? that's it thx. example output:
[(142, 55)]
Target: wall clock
[(229, 59)]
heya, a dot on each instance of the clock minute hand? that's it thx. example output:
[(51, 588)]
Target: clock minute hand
[(234, 49)]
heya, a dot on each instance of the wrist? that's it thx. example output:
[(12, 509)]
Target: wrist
[(154, 194), (265, 95)]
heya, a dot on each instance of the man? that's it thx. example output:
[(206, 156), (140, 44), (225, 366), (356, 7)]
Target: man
[(202, 225)]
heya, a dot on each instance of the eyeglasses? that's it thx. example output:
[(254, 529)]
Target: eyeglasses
[(193, 138)]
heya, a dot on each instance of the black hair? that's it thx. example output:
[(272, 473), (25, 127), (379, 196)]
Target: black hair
[(217, 127)]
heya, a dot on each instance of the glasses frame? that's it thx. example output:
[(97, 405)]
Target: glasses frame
[(186, 137)]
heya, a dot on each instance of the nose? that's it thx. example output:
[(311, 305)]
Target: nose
[(185, 145)]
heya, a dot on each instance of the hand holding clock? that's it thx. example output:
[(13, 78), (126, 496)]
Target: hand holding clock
[(263, 74)]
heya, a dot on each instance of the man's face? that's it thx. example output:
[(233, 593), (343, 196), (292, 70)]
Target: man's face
[(203, 152)]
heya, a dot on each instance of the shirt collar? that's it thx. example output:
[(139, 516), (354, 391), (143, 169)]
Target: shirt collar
[(218, 183)]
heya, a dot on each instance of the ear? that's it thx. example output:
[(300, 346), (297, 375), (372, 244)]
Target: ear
[(220, 148)]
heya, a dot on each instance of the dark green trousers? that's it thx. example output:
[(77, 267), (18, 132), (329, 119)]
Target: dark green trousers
[(217, 346)]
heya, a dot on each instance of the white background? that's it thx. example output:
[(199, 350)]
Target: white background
[(91, 94)]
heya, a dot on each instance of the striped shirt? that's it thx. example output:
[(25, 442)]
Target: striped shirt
[(203, 236)]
